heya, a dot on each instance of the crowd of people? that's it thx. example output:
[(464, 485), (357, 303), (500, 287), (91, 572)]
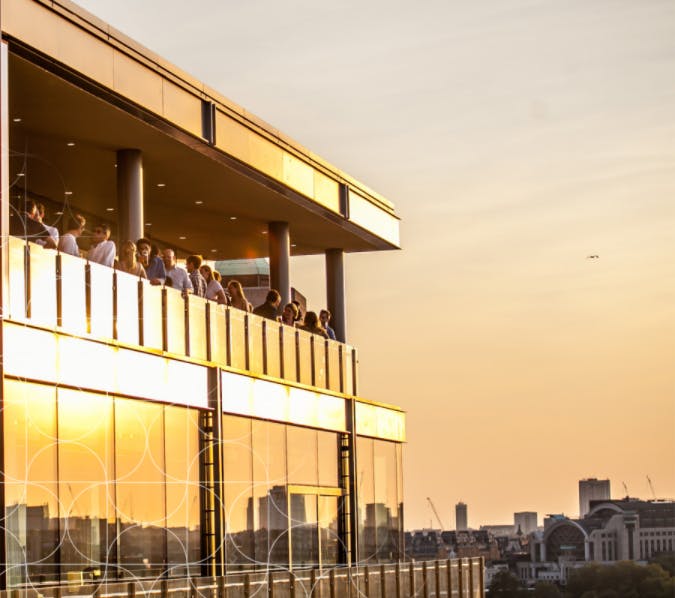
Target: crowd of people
[(145, 260)]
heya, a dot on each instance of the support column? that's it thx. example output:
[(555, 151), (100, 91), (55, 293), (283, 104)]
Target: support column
[(280, 259), (335, 292), (130, 195)]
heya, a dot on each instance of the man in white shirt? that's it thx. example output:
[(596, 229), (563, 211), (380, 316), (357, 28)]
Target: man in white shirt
[(102, 250), (68, 241), (52, 230), (175, 277)]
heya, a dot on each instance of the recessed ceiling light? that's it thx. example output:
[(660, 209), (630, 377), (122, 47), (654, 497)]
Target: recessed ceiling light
[(110, 209), (161, 184), (199, 202), (16, 120), (264, 232), (70, 143), (182, 238), (293, 245), (213, 250), (21, 174), (233, 217), (68, 192), (59, 213), (148, 224)]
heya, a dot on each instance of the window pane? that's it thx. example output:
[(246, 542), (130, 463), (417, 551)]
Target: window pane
[(366, 498), (304, 528), (328, 530), (237, 492), (386, 509), (302, 456), (31, 507), (182, 490), (328, 459), (139, 444), (86, 487)]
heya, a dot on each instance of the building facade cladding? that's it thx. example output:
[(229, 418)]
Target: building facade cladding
[(592, 489), (150, 435)]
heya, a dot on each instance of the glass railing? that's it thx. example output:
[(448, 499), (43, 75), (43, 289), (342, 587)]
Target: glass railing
[(74, 296)]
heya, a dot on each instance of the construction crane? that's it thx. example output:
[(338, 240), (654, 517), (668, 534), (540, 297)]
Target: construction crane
[(651, 487), (625, 488), (433, 508)]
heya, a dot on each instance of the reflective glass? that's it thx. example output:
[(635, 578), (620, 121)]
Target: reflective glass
[(272, 349), (139, 444), (386, 500), (31, 503), (366, 499), (152, 315), (238, 338), (127, 308), (348, 371), (197, 329), (17, 280), (302, 456), (218, 332), (73, 294), (101, 290), (42, 298), (329, 536), (303, 521), (319, 361), (305, 357), (175, 321), (269, 492), (86, 482), (328, 443), (237, 492), (255, 343), (334, 371), (289, 353), (182, 490)]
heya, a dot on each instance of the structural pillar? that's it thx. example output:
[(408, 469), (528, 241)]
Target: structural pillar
[(130, 194), (335, 292), (280, 259)]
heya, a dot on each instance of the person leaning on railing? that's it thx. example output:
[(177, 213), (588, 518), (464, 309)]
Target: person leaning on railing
[(237, 296), (193, 264), (127, 261), (68, 241), (153, 264), (214, 290), (102, 250)]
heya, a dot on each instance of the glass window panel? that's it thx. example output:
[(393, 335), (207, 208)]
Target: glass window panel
[(238, 338), (334, 372), (31, 503), (399, 498), (86, 486), (25, 347), (302, 456), (175, 321), (182, 490), (101, 289), (197, 330), (272, 349), (255, 343), (269, 491), (304, 530), (348, 371), (17, 278), (218, 332), (73, 294), (366, 499), (42, 285), (139, 443), (100, 359), (328, 458), (305, 357), (152, 315), (386, 503), (289, 357), (237, 492), (329, 536), (319, 361)]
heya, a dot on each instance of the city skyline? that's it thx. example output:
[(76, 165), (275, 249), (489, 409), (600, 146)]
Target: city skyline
[(516, 140)]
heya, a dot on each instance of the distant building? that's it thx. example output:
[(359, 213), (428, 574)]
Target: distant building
[(430, 544), (526, 520), (461, 517), (613, 530), (499, 530), (592, 489)]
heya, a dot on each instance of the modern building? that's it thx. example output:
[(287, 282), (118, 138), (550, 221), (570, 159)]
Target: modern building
[(526, 521), (461, 517), (613, 530), (592, 489), (147, 434)]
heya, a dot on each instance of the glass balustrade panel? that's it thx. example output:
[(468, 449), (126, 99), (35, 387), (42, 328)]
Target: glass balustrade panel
[(255, 343), (272, 352), (238, 338), (152, 315), (218, 332), (197, 329), (17, 278), (305, 357), (42, 297), (101, 292), (320, 379), (289, 353), (73, 294), (127, 308), (334, 371), (175, 322)]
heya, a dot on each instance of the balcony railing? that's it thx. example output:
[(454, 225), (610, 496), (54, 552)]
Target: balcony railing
[(70, 295)]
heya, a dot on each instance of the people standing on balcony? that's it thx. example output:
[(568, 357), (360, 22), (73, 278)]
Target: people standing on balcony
[(68, 241), (214, 290), (269, 309), (192, 263), (289, 314), (102, 250), (298, 316), (27, 226), (237, 296), (127, 261), (148, 255), (52, 230), (176, 277), (324, 318), (313, 325)]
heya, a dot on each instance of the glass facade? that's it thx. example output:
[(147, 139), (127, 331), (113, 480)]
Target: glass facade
[(98, 486)]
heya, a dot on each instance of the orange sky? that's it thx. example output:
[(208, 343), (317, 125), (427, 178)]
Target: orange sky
[(515, 138)]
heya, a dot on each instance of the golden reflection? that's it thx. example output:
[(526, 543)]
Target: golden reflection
[(175, 322), (273, 362), (305, 357), (17, 281), (101, 359), (42, 300), (152, 315), (73, 294), (255, 340), (380, 422), (373, 218), (238, 338), (127, 308), (218, 334), (24, 348), (197, 330), (270, 400), (101, 290)]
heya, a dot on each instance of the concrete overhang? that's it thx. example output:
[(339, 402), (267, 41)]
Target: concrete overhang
[(79, 91)]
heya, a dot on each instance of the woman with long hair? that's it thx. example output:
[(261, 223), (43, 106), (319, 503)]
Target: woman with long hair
[(127, 261), (289, 315), (237, 296), (214, 290)]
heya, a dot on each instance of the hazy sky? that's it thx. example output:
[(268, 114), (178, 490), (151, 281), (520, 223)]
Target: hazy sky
[(515, 137)]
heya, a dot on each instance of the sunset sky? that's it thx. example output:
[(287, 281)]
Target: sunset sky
[(516, 138)]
